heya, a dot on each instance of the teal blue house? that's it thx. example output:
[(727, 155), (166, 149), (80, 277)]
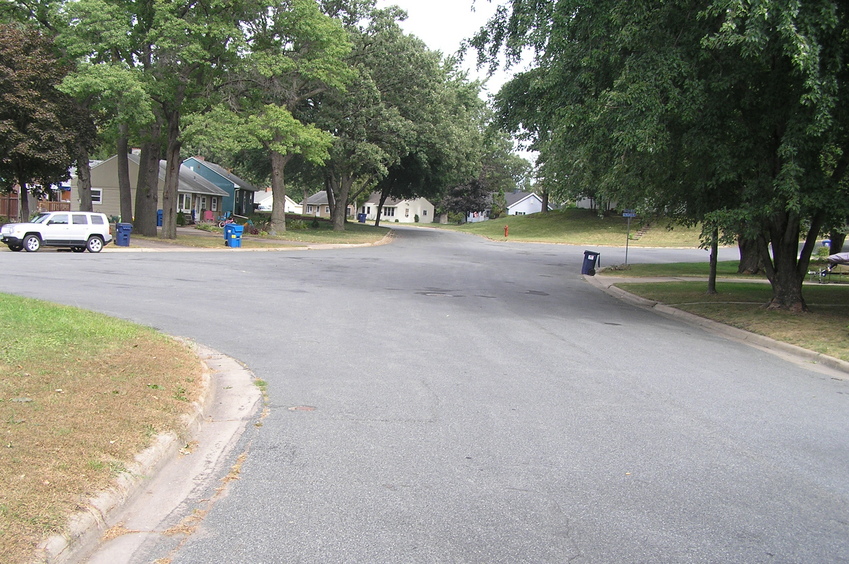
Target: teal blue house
[(240, 193)]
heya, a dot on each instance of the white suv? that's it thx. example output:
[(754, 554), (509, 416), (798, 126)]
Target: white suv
[(77, 230)]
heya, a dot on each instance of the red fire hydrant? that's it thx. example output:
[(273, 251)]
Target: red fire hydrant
[(506, 230)]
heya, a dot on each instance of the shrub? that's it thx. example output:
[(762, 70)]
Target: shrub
[(181, 219)]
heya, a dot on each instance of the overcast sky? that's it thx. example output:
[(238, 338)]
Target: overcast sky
[(444, 24)]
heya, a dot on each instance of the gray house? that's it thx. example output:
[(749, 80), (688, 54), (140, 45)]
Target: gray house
[(195, 194)]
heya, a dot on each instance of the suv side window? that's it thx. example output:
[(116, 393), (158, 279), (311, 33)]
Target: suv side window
[(58, 219), (97, 219), (79, 219)]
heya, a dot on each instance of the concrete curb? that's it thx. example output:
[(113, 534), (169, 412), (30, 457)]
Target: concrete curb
[(764, 343), (174, 248), (86, 527)]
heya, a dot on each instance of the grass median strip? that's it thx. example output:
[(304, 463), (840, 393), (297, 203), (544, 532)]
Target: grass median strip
[(80, 395), (825, 329)]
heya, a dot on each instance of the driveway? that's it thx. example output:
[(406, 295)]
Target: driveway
[(450, 399)]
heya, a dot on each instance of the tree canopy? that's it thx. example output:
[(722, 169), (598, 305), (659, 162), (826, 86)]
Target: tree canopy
[(40, 127), (725, 112)]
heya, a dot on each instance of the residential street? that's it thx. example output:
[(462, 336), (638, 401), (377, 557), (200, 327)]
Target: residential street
[(444, 398)]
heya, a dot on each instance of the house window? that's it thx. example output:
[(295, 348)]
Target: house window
[(407, 212), (96, 196), (326, 209), (214, 204), (424, 213), (203, 202), (388, 212)]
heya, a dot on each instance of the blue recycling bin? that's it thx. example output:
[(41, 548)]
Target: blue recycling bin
[(233, 235), (159, 218), (361, 217), (122, 234), (590, 262)]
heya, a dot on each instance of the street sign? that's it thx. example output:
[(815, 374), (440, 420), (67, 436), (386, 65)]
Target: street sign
[(629, 213)]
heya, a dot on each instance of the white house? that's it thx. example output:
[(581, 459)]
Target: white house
[(418, 210), (264, 201), (518, 203), (523, 203)]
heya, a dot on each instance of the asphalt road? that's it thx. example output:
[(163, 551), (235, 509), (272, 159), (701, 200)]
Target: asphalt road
[(449, 399)]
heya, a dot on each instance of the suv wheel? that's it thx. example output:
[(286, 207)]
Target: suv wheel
[(94, 244), (16, 248), (32, 243), (78, 249)]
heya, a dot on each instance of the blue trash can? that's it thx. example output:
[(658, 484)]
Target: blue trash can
[(233, 235), (590, 262), (159, 218), (361, 217), (122, 234)]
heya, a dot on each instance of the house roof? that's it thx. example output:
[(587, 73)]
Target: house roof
[(264, 195), (374, 199), (190, 182), (318, 199), (513, 198), (223, 172)]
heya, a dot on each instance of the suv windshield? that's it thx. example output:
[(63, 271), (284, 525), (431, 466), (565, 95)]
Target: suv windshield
[(41, 218)]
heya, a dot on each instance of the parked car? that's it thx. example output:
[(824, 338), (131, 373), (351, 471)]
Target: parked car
[(77, 230)]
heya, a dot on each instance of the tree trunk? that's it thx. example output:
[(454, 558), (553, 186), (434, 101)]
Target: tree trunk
[(278, 192), (788, 268), (144, 222), (172, 178), (750, 258), (125, 193), (544, 201), (837, 240), (84, 179), (714, 250), (23, 202), (384, 195), (338, 200)]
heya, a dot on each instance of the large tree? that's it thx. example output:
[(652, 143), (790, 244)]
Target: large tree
[(296, 54), (407, 126), (41, 128), (730, 112)]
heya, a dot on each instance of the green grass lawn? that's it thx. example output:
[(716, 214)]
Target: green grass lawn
[(824, 329), (211, 237), (581, 227), (701, 269), (64, 374)]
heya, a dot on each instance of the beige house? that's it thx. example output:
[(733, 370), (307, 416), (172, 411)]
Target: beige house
[(196, 196), (318, 206), (418, 210)]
